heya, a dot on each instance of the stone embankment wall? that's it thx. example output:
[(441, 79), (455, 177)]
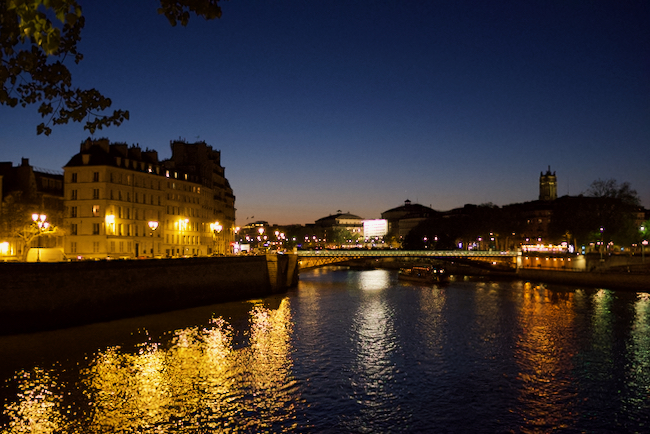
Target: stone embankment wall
[(43, 296), (609, 280)]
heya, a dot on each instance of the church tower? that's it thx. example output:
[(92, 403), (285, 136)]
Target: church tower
[(547, 185)]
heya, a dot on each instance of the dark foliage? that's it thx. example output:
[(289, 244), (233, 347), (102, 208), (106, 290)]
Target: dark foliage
[(36, 38)]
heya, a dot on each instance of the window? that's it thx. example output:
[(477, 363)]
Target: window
[(96, 247), (73, 195), (95, 228), (73, 229), (73, 212), (96, 193), (74, 177), (73, 247), (95, 176), (95, 210)]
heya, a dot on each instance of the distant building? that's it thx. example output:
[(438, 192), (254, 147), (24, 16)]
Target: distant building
[(122, 202), (24, 191), (404, 218), (328, 228), (547, 185)]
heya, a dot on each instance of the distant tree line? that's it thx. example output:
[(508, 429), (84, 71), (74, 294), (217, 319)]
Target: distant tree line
[(606, 210)]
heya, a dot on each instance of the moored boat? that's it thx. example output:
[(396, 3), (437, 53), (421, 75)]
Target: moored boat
[(423, 274)]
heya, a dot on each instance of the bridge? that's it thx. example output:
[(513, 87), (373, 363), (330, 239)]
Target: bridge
[(318, 258)]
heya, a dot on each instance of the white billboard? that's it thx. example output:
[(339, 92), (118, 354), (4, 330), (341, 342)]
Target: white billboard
[(376, 228)]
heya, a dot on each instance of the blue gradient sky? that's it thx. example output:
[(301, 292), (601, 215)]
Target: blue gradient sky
[(359, 105)]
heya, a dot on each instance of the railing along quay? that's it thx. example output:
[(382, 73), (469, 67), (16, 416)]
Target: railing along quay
[(405, 253)]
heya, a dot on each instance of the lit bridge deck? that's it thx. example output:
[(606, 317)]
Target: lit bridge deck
[(316, 258)]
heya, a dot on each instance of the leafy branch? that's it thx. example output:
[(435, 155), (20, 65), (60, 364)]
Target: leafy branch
[(37, 36)]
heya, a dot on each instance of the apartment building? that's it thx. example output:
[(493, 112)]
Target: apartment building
[(122, 202)]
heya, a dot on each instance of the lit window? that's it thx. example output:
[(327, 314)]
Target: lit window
[(95, 210)]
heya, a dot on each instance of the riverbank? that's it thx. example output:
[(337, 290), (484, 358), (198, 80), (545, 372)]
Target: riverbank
[(617, 277), (47, 296), (594, 279)]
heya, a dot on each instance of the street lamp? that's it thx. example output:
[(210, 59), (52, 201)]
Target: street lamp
[(182, 226), (644, 243), (40, 220), (216, 233), (601, 243), (153, 225)]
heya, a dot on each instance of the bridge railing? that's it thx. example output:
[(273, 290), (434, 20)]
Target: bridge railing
[(408, 253)]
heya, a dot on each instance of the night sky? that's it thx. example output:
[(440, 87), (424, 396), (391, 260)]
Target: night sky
[(319, 106)]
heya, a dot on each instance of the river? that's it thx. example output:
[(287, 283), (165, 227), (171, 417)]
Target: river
[(347, 352)]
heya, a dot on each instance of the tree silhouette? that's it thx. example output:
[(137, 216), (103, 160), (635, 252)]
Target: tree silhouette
[(38, 36)]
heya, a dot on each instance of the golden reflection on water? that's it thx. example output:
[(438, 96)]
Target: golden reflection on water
[(196, 381), (543, 352), (38, 408)]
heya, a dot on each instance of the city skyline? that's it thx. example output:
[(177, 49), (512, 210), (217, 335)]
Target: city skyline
[(357, 106)]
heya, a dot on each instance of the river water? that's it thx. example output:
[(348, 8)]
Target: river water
[(347, 352)]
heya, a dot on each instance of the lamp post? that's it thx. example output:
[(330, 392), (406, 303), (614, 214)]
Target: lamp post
[(216, 233), (40, 220), (259, 238), (182, 226), (602, 245), (153, 225), (643, 244)]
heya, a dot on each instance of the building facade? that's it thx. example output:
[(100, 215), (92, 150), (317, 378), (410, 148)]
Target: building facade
[(403, 219), (26, 191), (122, 202)]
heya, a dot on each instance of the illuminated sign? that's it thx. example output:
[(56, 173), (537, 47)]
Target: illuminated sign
[(549, 248), (375, 228)]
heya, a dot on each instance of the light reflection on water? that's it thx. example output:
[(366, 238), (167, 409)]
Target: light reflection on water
[(544, 351), (374, 341), (198, 381), (352, 351)]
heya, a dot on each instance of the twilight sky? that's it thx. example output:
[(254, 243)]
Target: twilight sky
[(319, 106)]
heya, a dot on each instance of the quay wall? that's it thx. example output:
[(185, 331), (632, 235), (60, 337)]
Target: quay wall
[(45, 296), (609, 280)]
